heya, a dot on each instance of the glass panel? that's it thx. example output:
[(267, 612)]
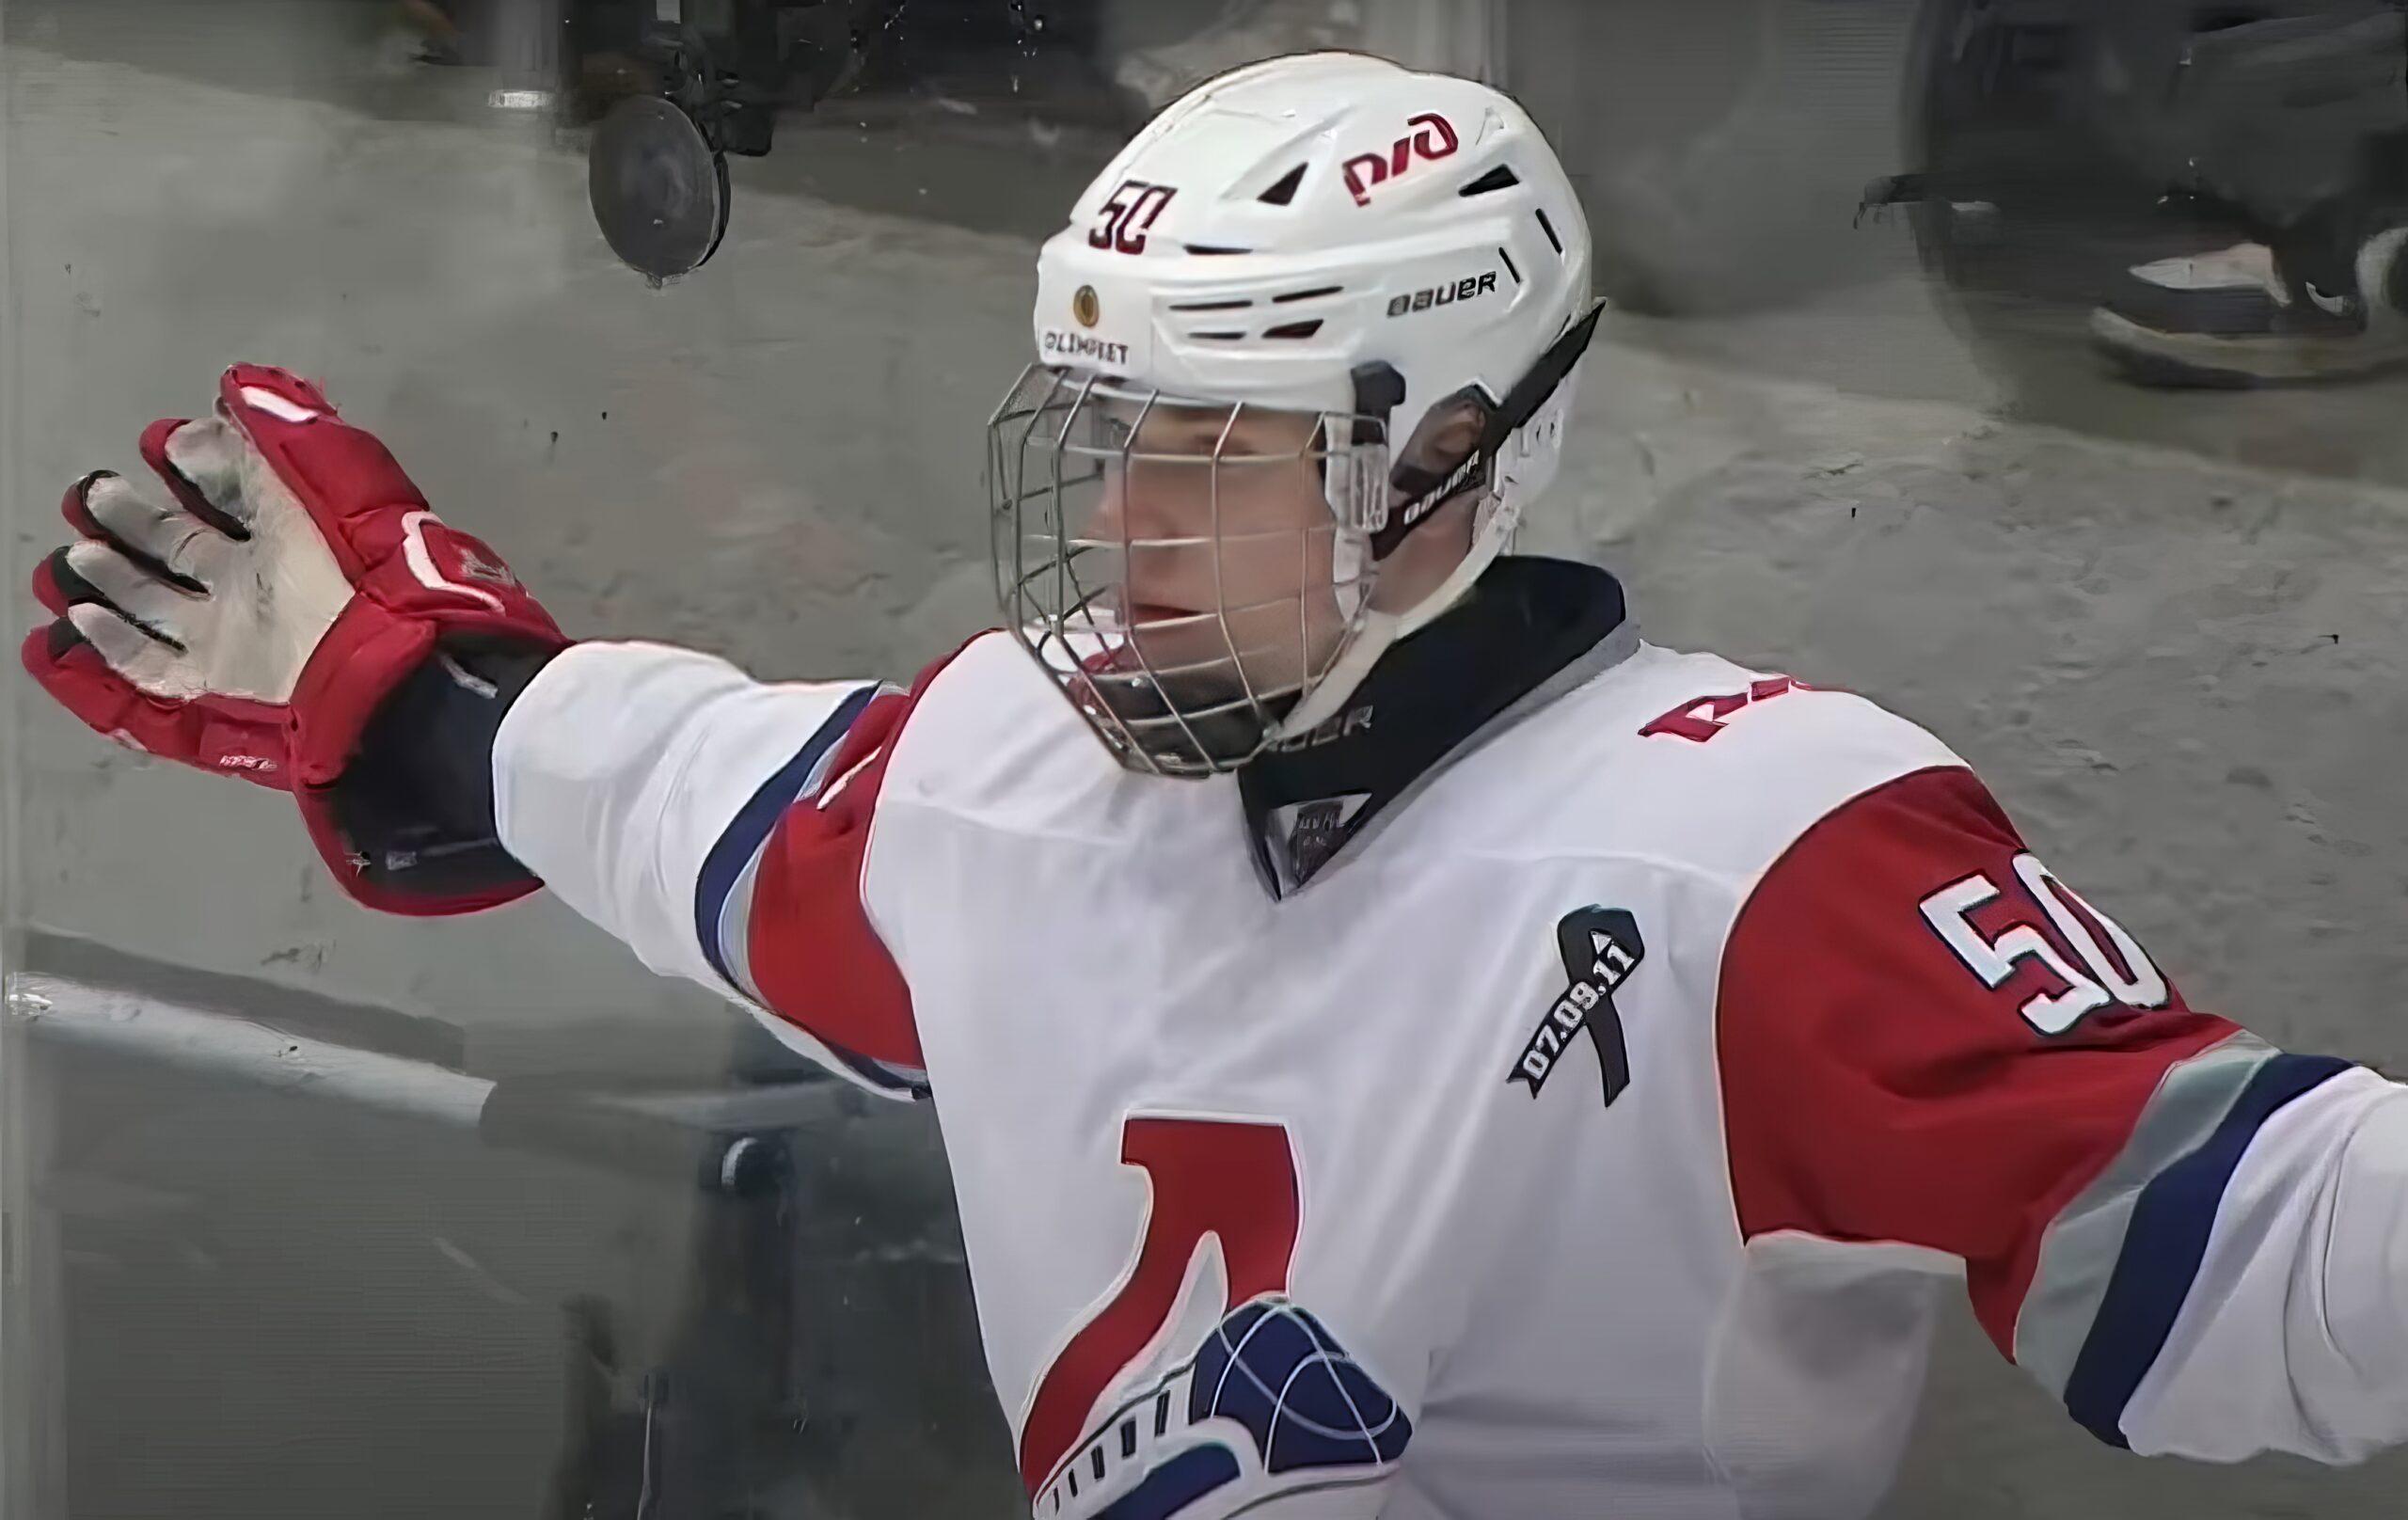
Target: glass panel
[(2026, 365)]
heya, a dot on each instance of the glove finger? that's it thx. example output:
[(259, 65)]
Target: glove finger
[(162, 610), (70, 669), (56, 586), (148, 664), (58, 657), (77, 509), (57, 638), (78, 517), (244, 739), (161, 537), (202, 464)]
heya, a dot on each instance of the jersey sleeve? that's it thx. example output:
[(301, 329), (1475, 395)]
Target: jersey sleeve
[(717, 825), (1927, 1038)]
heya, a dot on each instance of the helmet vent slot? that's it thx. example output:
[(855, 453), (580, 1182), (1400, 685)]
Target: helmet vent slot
[(1307, 296), (1205, 248), (1548, 228), (1500, 177), (1294, 329), (1284, 192), (1238, 305)]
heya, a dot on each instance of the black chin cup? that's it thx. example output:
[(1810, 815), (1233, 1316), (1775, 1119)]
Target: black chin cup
[(1221, 730)]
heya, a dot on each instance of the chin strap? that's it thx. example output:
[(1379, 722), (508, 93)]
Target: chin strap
[(1379, 390), (1426, 490)]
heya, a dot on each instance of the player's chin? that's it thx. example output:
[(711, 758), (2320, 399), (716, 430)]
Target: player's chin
[(1207, 666)]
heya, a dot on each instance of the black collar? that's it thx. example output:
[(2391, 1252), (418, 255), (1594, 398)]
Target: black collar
[(1529, 631)]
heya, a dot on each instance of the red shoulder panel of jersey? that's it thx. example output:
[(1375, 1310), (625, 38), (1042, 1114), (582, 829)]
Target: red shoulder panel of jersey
[(815, 958), (1926, 1037)]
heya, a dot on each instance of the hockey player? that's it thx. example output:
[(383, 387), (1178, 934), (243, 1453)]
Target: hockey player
[(1404, 1046)]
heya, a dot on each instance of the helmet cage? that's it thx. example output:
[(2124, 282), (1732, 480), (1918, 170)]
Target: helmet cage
[(1197, 689)]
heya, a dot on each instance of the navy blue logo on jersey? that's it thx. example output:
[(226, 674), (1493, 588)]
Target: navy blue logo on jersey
[(1601, 947), (1271, 1402)]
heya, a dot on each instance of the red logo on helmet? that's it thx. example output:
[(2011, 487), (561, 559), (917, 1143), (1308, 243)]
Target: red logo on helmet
[(1431, 139)]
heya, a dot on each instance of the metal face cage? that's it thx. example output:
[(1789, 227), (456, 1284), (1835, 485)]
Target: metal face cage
[(1185, 571)]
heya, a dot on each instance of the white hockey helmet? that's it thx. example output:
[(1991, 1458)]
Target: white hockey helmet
[(1322, 268)]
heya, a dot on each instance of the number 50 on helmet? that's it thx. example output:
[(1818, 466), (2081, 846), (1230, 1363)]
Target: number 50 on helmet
[(1304, 354)]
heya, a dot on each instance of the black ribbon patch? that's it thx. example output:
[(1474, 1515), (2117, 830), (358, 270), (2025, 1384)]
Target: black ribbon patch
[(1601, 948)]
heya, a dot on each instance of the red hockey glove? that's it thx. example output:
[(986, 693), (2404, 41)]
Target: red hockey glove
[(255, 618)]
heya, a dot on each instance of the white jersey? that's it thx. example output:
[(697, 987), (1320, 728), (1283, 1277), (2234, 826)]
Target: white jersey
[(1570, 1109)]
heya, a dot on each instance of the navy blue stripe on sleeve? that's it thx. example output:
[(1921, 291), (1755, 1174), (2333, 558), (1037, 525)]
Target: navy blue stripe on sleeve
[(725, 864), (2166, 1243), (885, 1078)]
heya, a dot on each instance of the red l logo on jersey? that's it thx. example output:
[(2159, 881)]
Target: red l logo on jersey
[(1228, 1178)]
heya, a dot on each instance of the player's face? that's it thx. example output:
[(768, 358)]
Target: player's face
[(1227, 540)]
